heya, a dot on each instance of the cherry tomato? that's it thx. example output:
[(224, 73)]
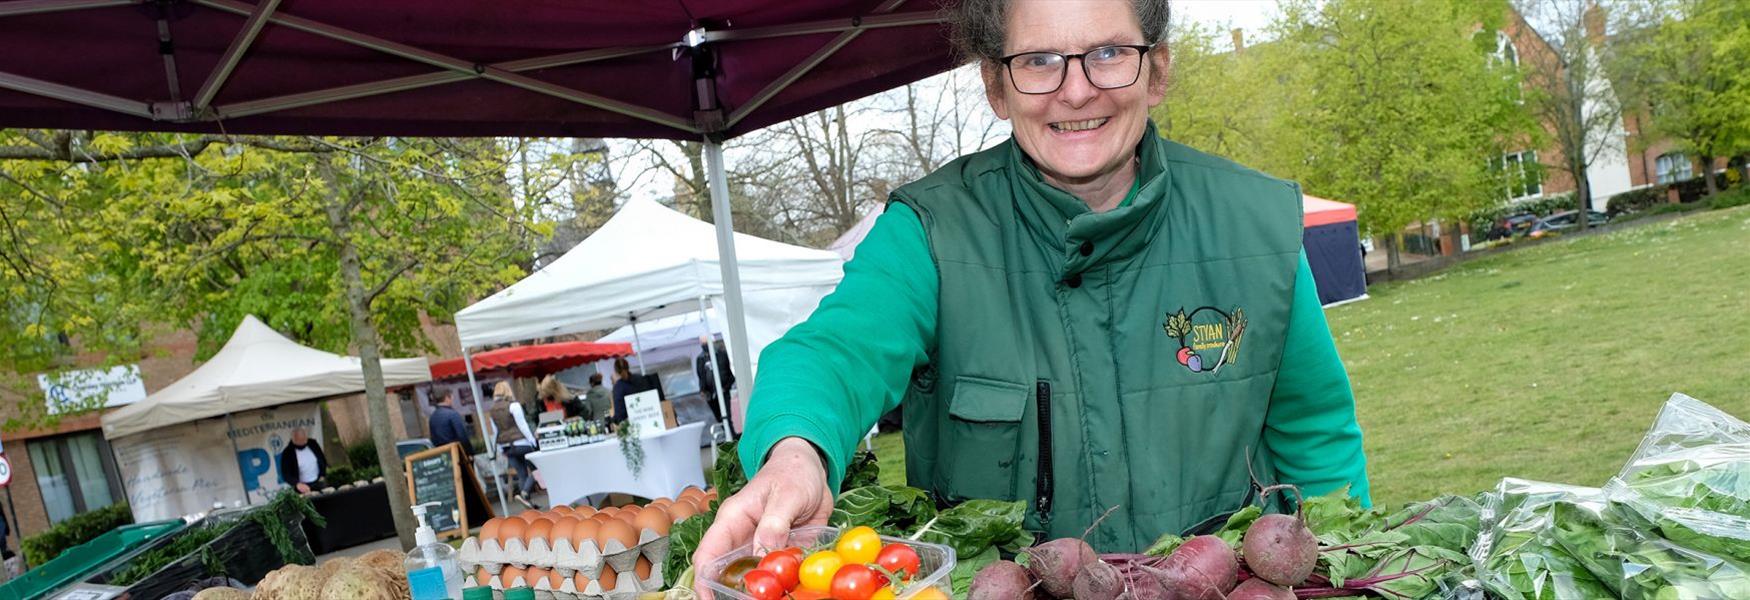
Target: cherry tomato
[(859, 546), (885, 593), (786, 566), (818, 570), (803, 594), (898, 559), (856, 582), (928, 593), (763, 585)]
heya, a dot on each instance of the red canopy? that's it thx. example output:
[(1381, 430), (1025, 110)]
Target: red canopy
[(675, 69), (525, 361), (1319, 211)]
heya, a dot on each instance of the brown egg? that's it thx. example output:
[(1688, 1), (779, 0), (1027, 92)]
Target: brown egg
[(535, 575), (711, 496), (691, 492), (586, 531), (660, 502), (481, 577), (600, 518), (554, 579), (581, 581), (529, 515), (540, 529), (563, 527), (632, 509), (489, 531), (559, 509), (608, 579), (511, 529), (655, 519), (681, 510), (583, 512), (509, 575), (616, 530), (643, 568), (609, 511), (628, 519)]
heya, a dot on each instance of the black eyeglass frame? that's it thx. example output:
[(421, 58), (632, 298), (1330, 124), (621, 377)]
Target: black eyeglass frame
[(1142, 51)]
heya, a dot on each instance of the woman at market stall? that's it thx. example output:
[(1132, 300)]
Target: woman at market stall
[(1085, 317)]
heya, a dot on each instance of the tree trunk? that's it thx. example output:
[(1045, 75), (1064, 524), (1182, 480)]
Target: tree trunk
[(1707, 175), (1392, 259), (364, 335), (1583, 197)]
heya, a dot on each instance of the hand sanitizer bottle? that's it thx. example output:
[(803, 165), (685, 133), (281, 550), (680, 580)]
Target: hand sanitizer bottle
[(432, 570)]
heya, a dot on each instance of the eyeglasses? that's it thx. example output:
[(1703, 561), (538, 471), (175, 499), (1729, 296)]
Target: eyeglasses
[(1107, 67)]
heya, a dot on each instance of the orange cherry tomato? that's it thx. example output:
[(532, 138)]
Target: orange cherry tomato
[(885, 593), (928, 593), (818, 570), (859, 546)]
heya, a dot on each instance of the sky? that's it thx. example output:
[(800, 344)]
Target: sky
[(1249, 15)]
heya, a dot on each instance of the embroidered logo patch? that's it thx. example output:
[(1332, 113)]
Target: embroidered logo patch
[(1209, 338)]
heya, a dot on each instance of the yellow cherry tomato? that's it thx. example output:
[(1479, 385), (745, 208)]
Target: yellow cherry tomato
[(818, 569), (928, 593), (859, 546), (885, 593)]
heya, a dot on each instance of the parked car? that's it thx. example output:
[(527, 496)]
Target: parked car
[(1565, 220), (1512, 225)]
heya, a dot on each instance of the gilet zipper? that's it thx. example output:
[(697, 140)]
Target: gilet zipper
[(1042, 497)]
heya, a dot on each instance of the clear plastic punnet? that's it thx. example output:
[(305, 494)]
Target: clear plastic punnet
[(936, 562)]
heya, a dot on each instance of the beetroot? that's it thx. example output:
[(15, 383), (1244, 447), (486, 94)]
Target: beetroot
[(1001, 580), (1098, 581), (1258, 589), (1057, 562), (1203, 568), (1280, 549)]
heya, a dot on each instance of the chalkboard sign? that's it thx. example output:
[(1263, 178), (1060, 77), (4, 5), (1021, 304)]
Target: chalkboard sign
[(435, 475)]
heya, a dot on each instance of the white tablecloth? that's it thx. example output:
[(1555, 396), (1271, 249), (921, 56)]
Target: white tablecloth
[(671, 463)]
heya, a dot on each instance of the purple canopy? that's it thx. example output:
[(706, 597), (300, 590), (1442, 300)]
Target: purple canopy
[(609, 68)]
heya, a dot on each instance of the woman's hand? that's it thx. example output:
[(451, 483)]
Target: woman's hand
[(789, 491)]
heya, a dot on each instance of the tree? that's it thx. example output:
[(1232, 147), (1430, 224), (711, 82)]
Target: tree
[(341, 243), (1394, 107), (1689, 64), (1570, 91)]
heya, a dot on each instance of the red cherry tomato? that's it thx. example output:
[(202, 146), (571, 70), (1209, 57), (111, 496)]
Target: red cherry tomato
[(856, 582), (898, 559), (762, 585), (786, 565)]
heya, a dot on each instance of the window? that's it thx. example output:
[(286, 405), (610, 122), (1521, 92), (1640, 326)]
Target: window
[(1504, 50), (1521, 174), (1674, 167), (75, 473)]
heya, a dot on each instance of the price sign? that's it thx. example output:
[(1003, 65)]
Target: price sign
[(644, 409)]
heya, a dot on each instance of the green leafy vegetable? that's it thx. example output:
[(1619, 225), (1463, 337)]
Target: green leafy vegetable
[(961, 577), (863, 471), (978, 525), (726, 474), (896, 511), (683, 539)]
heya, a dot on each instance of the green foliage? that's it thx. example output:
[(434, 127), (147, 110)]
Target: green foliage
[(631, 447), (1636, 200), (1730, 199), (1686, 65), (272, 519), (188, 542), (864, 470), (895, 511), (683, 540), (362, 455), (76, 530), (726, 475)]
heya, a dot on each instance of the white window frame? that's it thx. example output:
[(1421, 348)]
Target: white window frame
[(1668, 165), (1529, 184)]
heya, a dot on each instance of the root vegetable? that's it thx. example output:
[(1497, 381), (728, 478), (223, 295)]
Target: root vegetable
[(1098, 581), (1057, 562), (1258, 589), (1203, 568), (1002, 580)]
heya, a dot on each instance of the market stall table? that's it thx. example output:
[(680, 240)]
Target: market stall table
[(671, 463)]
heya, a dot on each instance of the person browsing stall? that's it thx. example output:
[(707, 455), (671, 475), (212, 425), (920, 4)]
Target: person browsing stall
[(1085, 316), (448, 426), (515, 439), (302, 463)]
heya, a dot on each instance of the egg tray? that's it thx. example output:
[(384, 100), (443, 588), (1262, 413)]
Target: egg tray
[(589, 559), (625, 588)]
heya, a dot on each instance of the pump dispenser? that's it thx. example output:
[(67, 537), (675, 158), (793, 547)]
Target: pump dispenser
[(433, 572)]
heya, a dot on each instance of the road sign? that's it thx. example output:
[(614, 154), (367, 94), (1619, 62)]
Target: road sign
[(5, 471)]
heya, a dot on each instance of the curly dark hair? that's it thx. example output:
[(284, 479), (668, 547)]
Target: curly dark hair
[(979, 26)]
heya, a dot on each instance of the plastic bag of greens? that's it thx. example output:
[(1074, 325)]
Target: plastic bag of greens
[(1689, 481), (1516, 556)]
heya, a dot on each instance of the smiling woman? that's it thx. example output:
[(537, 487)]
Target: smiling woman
[(1062, 315)]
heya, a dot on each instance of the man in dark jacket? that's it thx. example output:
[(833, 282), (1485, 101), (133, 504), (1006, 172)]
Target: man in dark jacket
[(702, 366), (447, 425), (302, 464)]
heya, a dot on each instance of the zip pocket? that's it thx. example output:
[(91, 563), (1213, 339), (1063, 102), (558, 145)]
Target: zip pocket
[(1043, 483)]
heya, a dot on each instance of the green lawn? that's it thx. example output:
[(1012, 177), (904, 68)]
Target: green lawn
[(1544, 363)]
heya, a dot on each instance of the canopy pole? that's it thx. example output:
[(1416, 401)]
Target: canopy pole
[(480, 417), (241, 478), (637, 345), (726, 256), (716, 374)]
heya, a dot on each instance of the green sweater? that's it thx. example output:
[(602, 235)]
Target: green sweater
[(832, 376)]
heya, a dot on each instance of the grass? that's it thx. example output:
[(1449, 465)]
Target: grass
[(1546, 363)]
